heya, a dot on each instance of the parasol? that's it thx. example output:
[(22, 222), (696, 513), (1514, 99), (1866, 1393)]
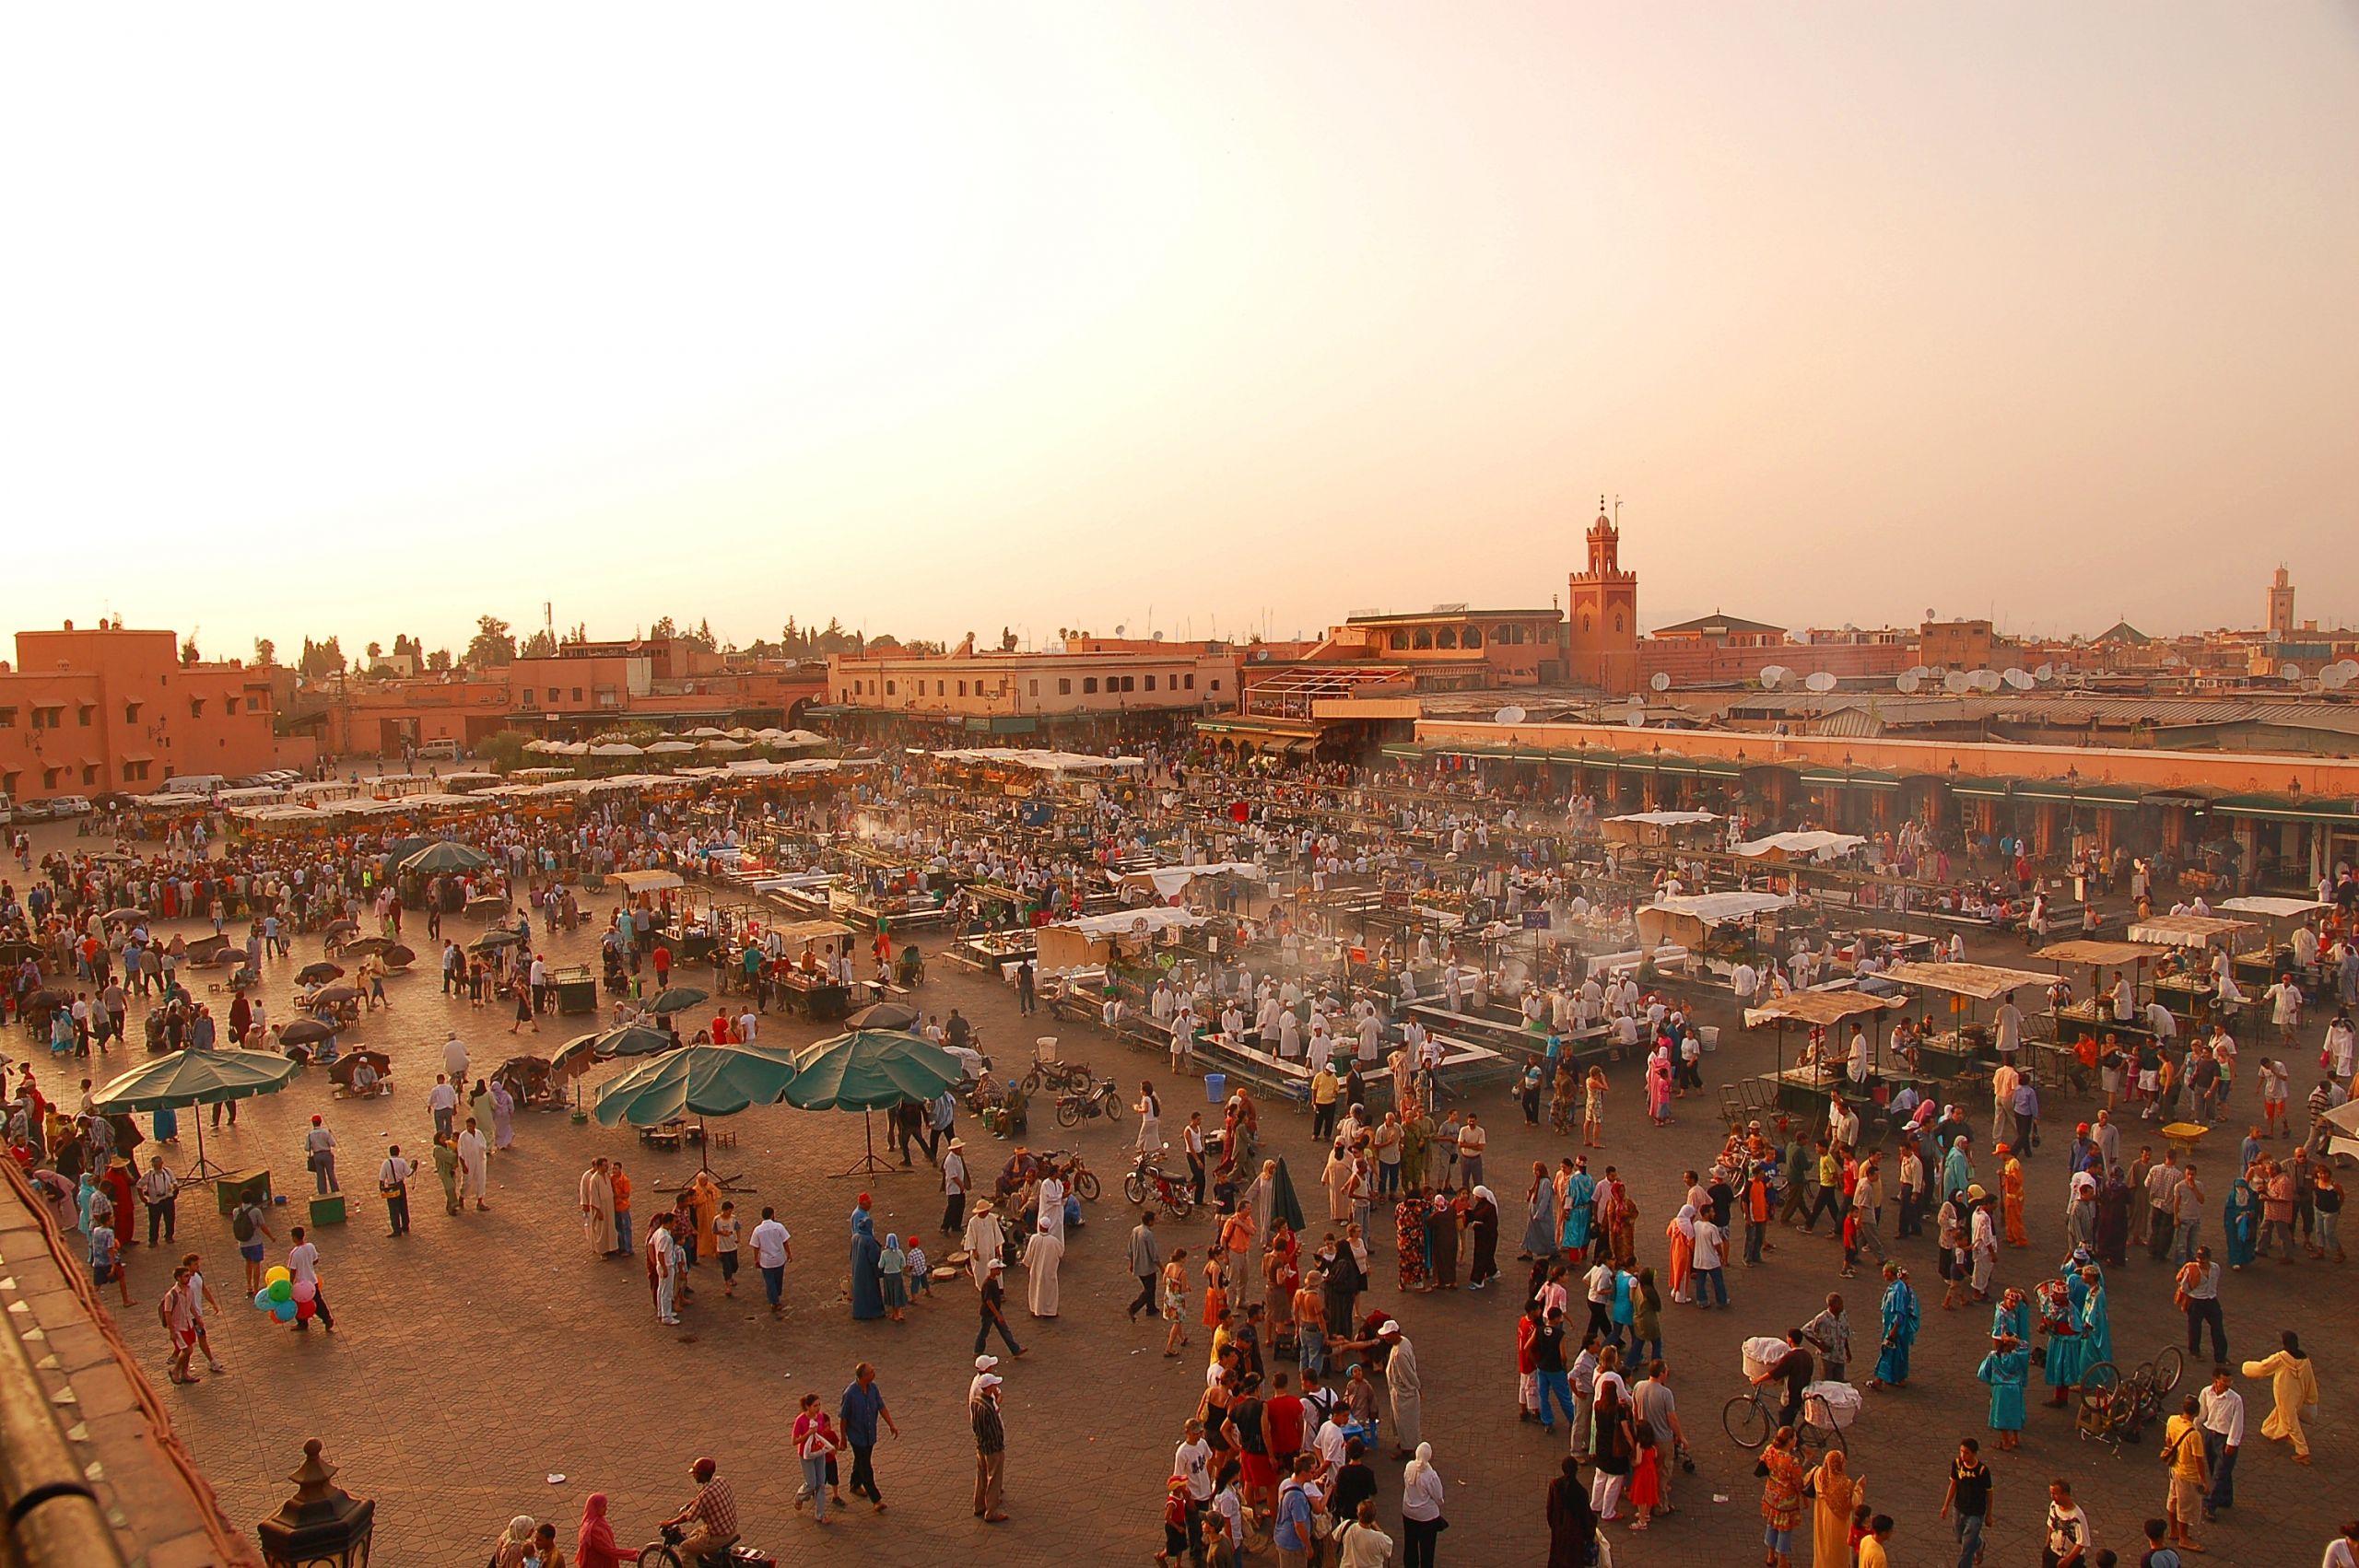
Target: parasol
[(195, 1078), (867, 1070), (126, 915), (369, 945), (677, 998), (695, 1080), (498, 936), (350, 1062), (307, 1031), (445, 855), (890, 1015), (337, 995), (316, 973), (630, 1040), (1283, 1204)]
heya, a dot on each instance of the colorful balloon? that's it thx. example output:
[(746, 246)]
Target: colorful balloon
[(281, 1290), (283, 1311), (278, 1272), (305, 1290), (305, 1308), (261, 1299)]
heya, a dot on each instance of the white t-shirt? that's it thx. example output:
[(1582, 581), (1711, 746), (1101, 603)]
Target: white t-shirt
[(303, 1262), (769, 1239), (1709, 1239), (2067, 1527), (1193, 1461)]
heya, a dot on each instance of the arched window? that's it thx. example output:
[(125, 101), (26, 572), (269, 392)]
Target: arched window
[(1400, 642), (1446, 637), (1471, 638), (1617, 620), (1425, 639), (1585, 621)]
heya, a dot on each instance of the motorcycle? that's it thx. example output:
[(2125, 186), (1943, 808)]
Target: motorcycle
[(666, 1553), (1076, 1176), (1076, 1107), (1175, 1194), (1061, 1076)]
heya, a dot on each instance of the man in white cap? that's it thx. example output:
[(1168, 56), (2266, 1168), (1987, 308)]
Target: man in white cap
[(954, 1186), (991, 1440), (454, 1058), (1408, 1391)]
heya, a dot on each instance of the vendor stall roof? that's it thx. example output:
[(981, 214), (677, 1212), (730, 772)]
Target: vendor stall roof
[(1982, 982), (1668, 819), (2099, 951), (2275, 908), (1819, 846), (1711, 906), (1818, 1008), (2186, 930), (1169, 881), (1126, 922), (648, 880), (795, 932)]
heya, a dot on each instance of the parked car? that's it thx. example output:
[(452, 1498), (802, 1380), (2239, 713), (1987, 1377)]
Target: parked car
[(70, 805), (33, 810)]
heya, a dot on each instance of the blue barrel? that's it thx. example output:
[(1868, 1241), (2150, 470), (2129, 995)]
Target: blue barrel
[(1216, 1087)]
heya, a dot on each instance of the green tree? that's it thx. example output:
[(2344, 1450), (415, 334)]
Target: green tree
[(502, 750), (1007, 639), (439, 660), (703, 637), (377, 650), (189, 654), (265, 652), (540, 645), (493, 645), (663, 630)]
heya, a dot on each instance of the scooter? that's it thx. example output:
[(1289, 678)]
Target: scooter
[(666, 1553)]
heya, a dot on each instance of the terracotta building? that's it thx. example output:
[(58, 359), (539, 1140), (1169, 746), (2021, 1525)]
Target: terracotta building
[(92, 711), (1601, 613)]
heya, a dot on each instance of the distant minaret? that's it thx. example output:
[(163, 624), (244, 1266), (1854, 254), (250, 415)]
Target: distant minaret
[(1602, 613), (2281, 605)]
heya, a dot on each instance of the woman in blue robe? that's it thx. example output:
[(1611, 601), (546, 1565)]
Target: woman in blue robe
[(867, 1267), (2012, 1319), (1899, 1317), (2096, 1328), (1539, 1228), (2059, 1318), (2242, 1218), (2006, 1369), (1581, 1189)]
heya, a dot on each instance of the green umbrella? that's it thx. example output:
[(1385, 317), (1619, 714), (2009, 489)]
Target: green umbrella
[(870, 1070), (445, 856), (697, 1081), (196, 1078), (677, 998), (1283, 1204)]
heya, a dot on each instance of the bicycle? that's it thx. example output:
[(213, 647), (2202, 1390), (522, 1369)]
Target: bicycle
[(2114, 1410), (1750, 1419)]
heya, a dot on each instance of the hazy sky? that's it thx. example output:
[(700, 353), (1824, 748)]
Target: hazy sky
[(944, 317)]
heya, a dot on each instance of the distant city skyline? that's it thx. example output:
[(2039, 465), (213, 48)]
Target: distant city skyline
[(1212, 318)]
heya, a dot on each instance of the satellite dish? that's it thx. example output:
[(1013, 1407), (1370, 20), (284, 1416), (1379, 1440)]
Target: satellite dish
[(1511, 714), (1661, 681), (1938, 672), (2045, 673), (2350, 668), (1920, 670), (1772, 676), (1987, 681), (1636, 701), (2334, 677), (2020, 680), (1119, 630), (1954, 683), (1907, 679), (1638, 720), (2291, 672), (1821, 682), (1158, 636)]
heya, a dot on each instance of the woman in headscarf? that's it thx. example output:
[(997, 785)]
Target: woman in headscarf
[(2097, 1323), (594, 1546), (479, 1105), (1423, 1496), (1442, 1241), (1900, 1317), (1579, 1188), (893, 1268), (1572, 1524), (514, 1548), (2293, 1386), (867, 1264), (1838, 1492), (1410, 1242), (1482, 1220), (503, 1114), (2112, 1218), (1042, 1255), (2242, 1217), (1681, 1234), (1540, 1211), (1781, 1496), (2006, 1369)]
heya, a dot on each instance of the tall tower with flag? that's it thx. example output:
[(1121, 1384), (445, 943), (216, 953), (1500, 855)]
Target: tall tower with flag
[(1601, 620)]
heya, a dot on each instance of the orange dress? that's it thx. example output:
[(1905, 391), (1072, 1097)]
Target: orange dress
[(2011, 1201), (1215, 1296)]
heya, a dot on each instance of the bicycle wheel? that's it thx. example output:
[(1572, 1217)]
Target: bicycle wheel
[(2103, 1377), (1032, 1082), (1746, 1420), (1134, 1189), (2169, 1367), (1085, 1183), (657, 1555), (1113, 1107)]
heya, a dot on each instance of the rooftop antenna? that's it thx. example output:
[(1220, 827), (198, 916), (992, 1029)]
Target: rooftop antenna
[(1617, 511)]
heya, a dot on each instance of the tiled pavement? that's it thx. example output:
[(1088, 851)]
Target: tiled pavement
[(491, 1352)]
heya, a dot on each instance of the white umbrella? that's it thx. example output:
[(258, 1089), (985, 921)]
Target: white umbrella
[(669, 747), (724, 744), (706, 732), (616, 748)]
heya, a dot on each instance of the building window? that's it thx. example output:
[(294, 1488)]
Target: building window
[(1036, 689), (577, 694), (1446, 637), (1150, 683), (1192, 682), (962, 687), (196, 708), (84, 714), (1089, 685), (1065, 686), (891, 688), (134, 772), (1617, 620), (49, 779), (253, 705), (1585, 621), (90, 773), (1400, 641), (1216, 683), (8, 717), (528, 696), (937, 689), (1424, 638), (1472, 637)]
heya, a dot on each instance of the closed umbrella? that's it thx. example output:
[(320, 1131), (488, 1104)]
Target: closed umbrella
[(369, 945), (1283, 1204), (195, 1078), (870, 1070)]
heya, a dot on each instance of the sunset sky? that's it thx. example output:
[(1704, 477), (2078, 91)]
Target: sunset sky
[(939, 318)]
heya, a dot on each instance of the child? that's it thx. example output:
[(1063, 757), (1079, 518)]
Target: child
[(1174, 1302), (921, 1277), (1645, 1491), (725, 1247), (894, 1265), (1175, 1523), (1862, 1523), (1593, 1109), (1359, 1397), (1850, 1242)]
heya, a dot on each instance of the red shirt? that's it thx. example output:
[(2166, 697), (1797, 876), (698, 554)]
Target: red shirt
[(1285, 1412)]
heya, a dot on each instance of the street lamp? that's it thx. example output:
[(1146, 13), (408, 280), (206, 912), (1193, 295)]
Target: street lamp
[(322, 1526)]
